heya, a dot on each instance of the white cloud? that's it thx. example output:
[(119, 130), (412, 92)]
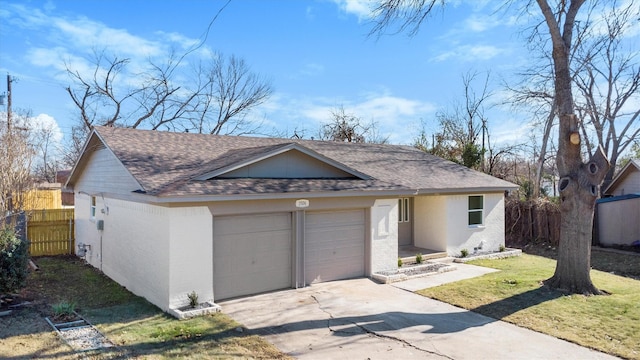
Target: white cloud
[(183, 41), (360, 8), (481, 22), (86, 33), (76, 39), (311, 69), (45, 122), (393, 115), (309, 13), (466, 53)]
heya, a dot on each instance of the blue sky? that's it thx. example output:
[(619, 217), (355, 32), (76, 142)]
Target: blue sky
[(316, 53)]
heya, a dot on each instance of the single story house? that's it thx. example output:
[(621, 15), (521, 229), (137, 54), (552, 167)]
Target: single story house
[(165, 213), (620, 204), (626, 181)]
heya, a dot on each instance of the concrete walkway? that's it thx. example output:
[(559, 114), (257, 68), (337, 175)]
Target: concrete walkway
[(463, 271), (360, 319)]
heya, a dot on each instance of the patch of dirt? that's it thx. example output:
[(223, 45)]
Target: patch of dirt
[(12, 302), (63, 318), (629, 248)]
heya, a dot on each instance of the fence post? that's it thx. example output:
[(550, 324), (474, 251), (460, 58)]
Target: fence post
[(71, 249)]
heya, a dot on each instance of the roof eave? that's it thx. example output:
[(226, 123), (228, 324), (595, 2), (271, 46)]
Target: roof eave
[(196, 198)]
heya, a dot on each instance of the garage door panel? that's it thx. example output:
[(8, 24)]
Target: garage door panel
[(252, 223), (336, 218), (252, 254), (334, 245)]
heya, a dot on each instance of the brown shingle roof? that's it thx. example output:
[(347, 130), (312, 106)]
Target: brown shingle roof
[(167, 163)]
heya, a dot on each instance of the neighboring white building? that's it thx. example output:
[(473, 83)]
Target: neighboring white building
[(618, 213), (165, 214), (626, 181)]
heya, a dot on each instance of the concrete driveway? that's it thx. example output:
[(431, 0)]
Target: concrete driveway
[(360, 319)]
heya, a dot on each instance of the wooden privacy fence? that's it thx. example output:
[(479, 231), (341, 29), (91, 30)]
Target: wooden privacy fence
[(51, 232), (531, 221)]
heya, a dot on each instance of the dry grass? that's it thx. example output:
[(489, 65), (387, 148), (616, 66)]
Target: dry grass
[(609, 323), (139, 329)]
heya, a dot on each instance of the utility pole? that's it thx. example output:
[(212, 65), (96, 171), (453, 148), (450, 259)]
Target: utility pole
[(9, 103), (484, 129)]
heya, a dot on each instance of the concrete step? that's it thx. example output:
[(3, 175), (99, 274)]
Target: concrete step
[(425, 257)]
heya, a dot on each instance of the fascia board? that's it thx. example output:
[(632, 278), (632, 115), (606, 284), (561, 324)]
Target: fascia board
[(310, 195), (314, 195)]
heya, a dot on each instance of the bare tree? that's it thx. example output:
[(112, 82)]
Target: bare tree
[(112, 96), (579, 181), (229, 92), (73, 147), (346, 127), (16, 156), (463, 128), (608, 79), (46, 162), (216, 101), (535, 94)]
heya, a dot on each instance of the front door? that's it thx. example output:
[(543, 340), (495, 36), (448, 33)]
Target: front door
[(405, 226)]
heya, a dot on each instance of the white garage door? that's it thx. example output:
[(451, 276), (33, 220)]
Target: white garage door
[(334, 245), (251, 254)]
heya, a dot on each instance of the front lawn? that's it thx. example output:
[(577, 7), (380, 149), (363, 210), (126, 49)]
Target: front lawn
[(608, 323), (139, 329)]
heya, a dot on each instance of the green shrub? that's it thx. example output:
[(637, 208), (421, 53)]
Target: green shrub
[(419, 258), (14, 257), (63, 309), (464, 252), (399, 262), (502, 248), (193, 299)]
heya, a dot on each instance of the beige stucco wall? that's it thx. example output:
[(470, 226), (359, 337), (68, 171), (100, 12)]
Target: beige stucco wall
[(287, 205), (462, 236), (190, 254), (164, 253), (384, 235), (615, 224), (133, 248), (441, 223), (430, 222)]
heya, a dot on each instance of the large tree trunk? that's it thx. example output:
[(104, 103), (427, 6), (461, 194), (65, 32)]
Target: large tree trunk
[(578, 192), (579, 182)]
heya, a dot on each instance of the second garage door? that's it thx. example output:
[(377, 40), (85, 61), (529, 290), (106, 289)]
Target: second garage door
[(251, 254), (334, 245)]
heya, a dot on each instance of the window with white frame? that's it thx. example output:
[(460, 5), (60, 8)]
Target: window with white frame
[(403, 210), (92, 208), (476, 210)]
